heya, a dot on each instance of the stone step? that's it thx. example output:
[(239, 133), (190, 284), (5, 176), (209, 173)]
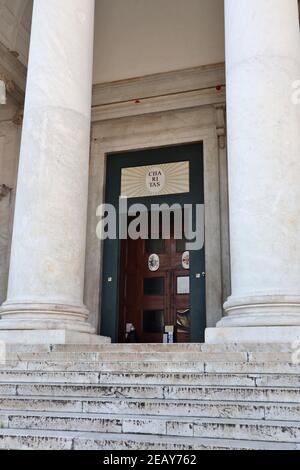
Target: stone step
[(227, 393), (135, 356), (154, 367), (249, 347), (167, 392), (143, 348), (83, 366), (239, 410), (150, 397), (158, 407), (217, 379), (252, 368), (24, 376), (106, 347), (158, 378), (274, 431), (174, 356), (69, 440)]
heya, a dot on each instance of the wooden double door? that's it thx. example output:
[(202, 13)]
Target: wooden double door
[(155, 289)]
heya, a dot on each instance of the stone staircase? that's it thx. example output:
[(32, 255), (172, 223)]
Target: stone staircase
[(159, 397)]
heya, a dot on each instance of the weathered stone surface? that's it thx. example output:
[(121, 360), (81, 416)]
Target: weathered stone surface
[(86, 391), (20, 440), (181, 408), (231, 394), (169, 393), (64, 422), (51, 440), (133, 442), (273, 431), (176, 378), (151, 356), (163, 400), (40, 404)]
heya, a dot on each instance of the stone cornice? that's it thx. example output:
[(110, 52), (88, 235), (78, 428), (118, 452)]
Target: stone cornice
[(181, 89), (161, 84)]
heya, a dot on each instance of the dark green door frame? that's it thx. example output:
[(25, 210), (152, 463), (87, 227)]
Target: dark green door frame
[(111, 249)]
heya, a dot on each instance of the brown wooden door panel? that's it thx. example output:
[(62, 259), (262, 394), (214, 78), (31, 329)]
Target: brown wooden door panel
[(150, 300)]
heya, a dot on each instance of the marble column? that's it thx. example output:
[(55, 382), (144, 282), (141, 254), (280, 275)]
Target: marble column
[(262, 62), (46, 279)]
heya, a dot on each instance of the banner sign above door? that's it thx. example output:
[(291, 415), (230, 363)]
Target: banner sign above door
[(157, 180)]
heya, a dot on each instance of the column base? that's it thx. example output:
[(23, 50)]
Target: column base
[(37, 316), (265, 310), (50, 337), (34, 323), (253, 334)]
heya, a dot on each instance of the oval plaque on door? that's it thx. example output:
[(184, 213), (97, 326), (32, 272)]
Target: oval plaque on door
[(153, 263), (186, 260)]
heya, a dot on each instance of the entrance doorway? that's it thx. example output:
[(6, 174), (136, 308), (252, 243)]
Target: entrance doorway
[(171, 293)]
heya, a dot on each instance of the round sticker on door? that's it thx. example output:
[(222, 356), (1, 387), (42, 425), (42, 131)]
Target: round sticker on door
[(153, 263), (186, 260)]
